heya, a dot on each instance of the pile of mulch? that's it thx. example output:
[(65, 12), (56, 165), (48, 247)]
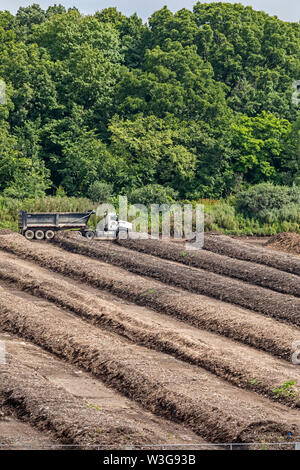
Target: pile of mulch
[(6, 231), (223, 358), (289, 242), (224, 245), (203, 312)]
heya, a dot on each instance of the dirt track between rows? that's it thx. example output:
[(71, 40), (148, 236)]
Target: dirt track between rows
[(241, 250), (254, 273), (180, 355), (87, 412), (282, 306)]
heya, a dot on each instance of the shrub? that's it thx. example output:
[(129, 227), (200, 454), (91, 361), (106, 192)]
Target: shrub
[(100, 192), (60, 192), (28, 184), (153, 194), (268, 202), (220, 216)]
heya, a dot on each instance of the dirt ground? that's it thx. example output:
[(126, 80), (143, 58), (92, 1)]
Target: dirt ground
[(288, 242), (200, 281), (136, 345), (84, 404), (254, 250)]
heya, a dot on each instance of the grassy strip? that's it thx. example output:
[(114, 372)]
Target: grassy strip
[(219, 215)]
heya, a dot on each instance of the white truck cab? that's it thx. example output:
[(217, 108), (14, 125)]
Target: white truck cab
[(110, 226)]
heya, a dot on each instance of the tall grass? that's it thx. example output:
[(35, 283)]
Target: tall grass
[(219, 216), (9, 207), (222, 217)]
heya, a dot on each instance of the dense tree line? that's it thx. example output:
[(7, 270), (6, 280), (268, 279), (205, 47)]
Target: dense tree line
[(197, 101)]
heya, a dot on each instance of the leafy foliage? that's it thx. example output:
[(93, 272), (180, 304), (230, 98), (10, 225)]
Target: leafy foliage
[(100, 192), (153, 194), (196, 104), (263, 199)]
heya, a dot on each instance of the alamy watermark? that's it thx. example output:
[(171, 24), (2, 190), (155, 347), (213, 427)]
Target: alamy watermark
[(296, 94), (2, 92), (2, 353), (296, 353), (177, 222)]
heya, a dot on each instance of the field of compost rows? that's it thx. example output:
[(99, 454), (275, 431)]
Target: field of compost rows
[(140, 344)]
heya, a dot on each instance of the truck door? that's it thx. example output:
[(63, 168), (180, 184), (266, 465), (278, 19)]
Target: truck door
[(113, 222), (106, 221)]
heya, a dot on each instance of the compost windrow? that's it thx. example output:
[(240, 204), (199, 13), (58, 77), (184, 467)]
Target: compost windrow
[(262, 300), (197, 310), (252, 273), (212, 408), (223, 357)]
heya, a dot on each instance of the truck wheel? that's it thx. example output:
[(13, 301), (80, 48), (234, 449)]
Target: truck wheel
[(39, 234), (89, 235), (49, 235), (29, 234)]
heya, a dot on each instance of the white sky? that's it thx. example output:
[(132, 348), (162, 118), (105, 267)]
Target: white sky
[(288, 10)]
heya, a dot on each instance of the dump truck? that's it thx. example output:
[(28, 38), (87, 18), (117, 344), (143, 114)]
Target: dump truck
[(40, 225), (111, 226)]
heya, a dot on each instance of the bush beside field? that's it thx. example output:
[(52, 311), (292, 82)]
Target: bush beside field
[(9, 207), (261, 210)]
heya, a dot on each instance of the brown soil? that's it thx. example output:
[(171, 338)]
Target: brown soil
[(49, 407), (288, 242), (250, 272), (74, 407), (221, 356), (163, 385), (281, 306), (17, 435), (81, 342), (245, 251), (225, 319)]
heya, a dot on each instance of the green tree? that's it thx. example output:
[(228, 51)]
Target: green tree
[(196, 101), (86, 60), (260, 142), (151, 153), (173, 81), (134, 36), (86, 160), (100, 192), (290, 165), (178, 27), (249, 48)]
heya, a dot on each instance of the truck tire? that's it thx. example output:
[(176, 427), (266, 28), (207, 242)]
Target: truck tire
[(29, 234), (39, 235), (49, 235), (89, 235)]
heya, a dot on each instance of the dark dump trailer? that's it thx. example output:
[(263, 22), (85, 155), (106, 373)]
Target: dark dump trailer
[(40, 225)]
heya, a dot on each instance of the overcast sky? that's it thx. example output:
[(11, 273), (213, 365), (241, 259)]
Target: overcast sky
[(288, 10)]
